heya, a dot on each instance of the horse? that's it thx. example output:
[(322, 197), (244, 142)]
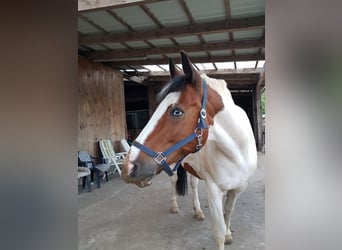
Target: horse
[(197, 128)]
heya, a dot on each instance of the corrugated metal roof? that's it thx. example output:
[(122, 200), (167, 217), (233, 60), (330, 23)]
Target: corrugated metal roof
[(247, 8), (187, 40), (137, 27), (141, 20), (117, 46), (106, 21), (169, 13), (155, 56), (86, 28), (173, 55), (217, 37), (161, 42), (246, 51), (137, 44), (221, 53), (128, 59), (247, 34), (201, 13), (197, 54)]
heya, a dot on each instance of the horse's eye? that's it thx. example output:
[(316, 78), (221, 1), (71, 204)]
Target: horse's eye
[(176, 112)]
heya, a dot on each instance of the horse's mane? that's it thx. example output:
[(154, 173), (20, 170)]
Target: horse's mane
[(174, 85), (220, 86)]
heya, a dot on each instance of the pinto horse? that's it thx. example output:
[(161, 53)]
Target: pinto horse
[(197, 124)]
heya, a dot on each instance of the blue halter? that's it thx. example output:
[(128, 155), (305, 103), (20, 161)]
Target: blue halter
[(160, 157)]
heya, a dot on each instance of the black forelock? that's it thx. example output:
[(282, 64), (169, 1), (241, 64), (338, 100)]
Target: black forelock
[(174, 85)]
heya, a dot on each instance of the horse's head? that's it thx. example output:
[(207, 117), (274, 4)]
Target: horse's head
[(176, 117)]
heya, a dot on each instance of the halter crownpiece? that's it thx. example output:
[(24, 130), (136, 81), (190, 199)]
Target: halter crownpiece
[(160, 157)]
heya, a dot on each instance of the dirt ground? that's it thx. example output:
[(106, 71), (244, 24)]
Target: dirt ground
[(122, 216)]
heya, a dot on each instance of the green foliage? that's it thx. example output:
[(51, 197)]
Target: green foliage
[(263, 100)]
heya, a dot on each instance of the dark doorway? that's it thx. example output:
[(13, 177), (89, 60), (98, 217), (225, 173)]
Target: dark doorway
[(137, 113), (245, 101)]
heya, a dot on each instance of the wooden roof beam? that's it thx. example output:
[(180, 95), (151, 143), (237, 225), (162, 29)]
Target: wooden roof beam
[(86, 19), (187, 11), (250, 73), (227, 8), (223, 77), (178, 31), (120, 20), (213, 59), (217, 76), (150, 14), (115, 54)]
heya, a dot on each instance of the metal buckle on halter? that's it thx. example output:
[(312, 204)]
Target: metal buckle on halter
[(159, 158), (199, 138)]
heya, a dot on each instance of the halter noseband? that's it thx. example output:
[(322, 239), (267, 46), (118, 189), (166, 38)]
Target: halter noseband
[(160, 157)]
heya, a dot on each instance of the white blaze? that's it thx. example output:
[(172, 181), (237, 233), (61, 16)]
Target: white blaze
[(168, 100)]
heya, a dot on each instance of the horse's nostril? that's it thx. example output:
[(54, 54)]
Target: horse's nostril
[(134, 170)]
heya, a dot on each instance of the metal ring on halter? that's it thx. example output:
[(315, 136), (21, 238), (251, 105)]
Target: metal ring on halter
[(159, 158), (203, 113), (198, 147), (200, 130)]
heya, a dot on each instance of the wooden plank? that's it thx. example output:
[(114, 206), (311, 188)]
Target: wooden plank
[(187, 11), (106, 55), (261, 81), (177, 31), (227, 8), (237, 77), (93, 5), (219, 74), (164, 79), (120, 20), (101, 105), (260, 50), (258, 118), (253, 71)]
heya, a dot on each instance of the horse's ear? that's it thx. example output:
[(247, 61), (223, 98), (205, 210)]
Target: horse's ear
[(190, 72), (174, 71)]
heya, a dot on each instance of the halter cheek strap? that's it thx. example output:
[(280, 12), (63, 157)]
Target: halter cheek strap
[(160, 157)]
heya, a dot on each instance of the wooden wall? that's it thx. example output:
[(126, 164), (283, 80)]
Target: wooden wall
[(101, 101)]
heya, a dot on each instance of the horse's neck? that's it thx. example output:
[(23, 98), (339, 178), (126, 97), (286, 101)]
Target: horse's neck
[(231, 130), (220, 86)]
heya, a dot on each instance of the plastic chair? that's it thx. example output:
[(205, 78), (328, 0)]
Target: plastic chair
[(109, 155), (83, 172), (126, 147), (85, 160)]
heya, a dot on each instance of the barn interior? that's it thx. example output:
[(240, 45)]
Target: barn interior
[(124, 48)]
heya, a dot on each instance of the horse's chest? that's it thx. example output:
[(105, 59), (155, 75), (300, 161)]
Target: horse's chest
[(191, 170)]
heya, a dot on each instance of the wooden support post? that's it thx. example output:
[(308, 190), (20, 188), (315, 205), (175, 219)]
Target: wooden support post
[(259, 121)]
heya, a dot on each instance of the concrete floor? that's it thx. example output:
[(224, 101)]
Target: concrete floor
[(122, 216)]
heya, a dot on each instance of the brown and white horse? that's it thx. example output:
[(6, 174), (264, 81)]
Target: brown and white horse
[(198, 124)]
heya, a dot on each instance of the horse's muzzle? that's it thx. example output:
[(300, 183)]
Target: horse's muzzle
[(138, 173)]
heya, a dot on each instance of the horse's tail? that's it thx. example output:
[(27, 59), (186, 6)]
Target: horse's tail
[(182, 181)]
